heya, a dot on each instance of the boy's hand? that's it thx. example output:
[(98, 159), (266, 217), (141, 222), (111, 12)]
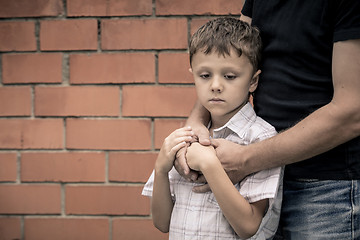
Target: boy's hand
[(199, 156), (227, 154), (201, 134), (172, 144), (182, 167)]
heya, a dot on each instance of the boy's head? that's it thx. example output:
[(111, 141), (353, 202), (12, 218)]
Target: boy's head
[(223, 34), (224, 55)]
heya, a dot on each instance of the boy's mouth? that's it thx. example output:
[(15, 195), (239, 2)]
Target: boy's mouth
[(216, 100)]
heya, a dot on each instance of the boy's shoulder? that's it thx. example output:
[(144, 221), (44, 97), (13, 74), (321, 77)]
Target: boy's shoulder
[(261, 129)]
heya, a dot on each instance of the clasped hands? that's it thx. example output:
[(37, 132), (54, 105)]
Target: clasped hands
[(202, 147)]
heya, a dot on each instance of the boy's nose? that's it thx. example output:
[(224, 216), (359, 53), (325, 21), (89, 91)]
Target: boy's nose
[(216, 85)]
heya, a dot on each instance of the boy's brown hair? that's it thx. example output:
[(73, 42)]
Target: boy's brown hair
[(222, 34)]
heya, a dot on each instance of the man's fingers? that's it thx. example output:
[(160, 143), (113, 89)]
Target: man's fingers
[(180, 162), (202, 188), (214, 143), (201, 179), (204, 139)]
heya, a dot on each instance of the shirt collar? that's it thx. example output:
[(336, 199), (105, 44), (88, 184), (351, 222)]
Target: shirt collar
[(238, 124)]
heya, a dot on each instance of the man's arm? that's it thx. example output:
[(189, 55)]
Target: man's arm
[(324, 129), (198, 119)]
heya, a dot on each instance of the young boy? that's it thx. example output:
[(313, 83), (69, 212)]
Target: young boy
[(224, 55)]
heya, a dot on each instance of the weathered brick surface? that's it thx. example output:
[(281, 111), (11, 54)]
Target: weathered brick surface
[(109, 8), (109, 200), (31, 134), (66, 228), (32, 68), (158, 101), (30, 199), (8, 167), (112, 68), (124, 166), (33, 8), (77, 101), (124, 229), (199, 7), (144, 34), (17, 36), (108, 134), (174, 68), (89, 89), (15, 101), (63, 167), (78, 34), (10, 228)]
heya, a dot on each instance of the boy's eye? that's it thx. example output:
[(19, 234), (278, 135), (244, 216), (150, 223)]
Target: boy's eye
[(205, 76), (229, 77)]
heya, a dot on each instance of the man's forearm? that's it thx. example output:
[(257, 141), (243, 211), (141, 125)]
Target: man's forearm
[(198, 115), (321, 131)]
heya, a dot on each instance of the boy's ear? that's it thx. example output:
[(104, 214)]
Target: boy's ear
[(254, 81), (190, 70)]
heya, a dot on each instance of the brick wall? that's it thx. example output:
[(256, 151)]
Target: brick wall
[(88, 91)]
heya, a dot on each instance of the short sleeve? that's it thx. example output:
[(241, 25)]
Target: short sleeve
[(247, 8), (347, 20), (148, 188), (261, 185), (149, 185)]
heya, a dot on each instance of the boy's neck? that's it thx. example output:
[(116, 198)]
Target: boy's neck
[(219, 121)]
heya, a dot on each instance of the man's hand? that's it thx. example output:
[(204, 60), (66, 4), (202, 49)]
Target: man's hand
[(229, 154)]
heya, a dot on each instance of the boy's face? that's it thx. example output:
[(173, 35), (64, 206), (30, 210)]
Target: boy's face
[(223, 83)]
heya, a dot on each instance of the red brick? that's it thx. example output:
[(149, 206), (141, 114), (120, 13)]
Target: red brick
[(31, 133), (111, 134), (124, 167), (112, 68), (126, 229), (109, 7), (10, 228), (158, 101), (30, 199), (77, 101), (174, 68), (168, 33), (163, 128), (33, 8), (199, 7), (66, 228), (78, 34), (17, 36), (110, 200), (8, 167), (63, 167), (32, 68), (15, 101)]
